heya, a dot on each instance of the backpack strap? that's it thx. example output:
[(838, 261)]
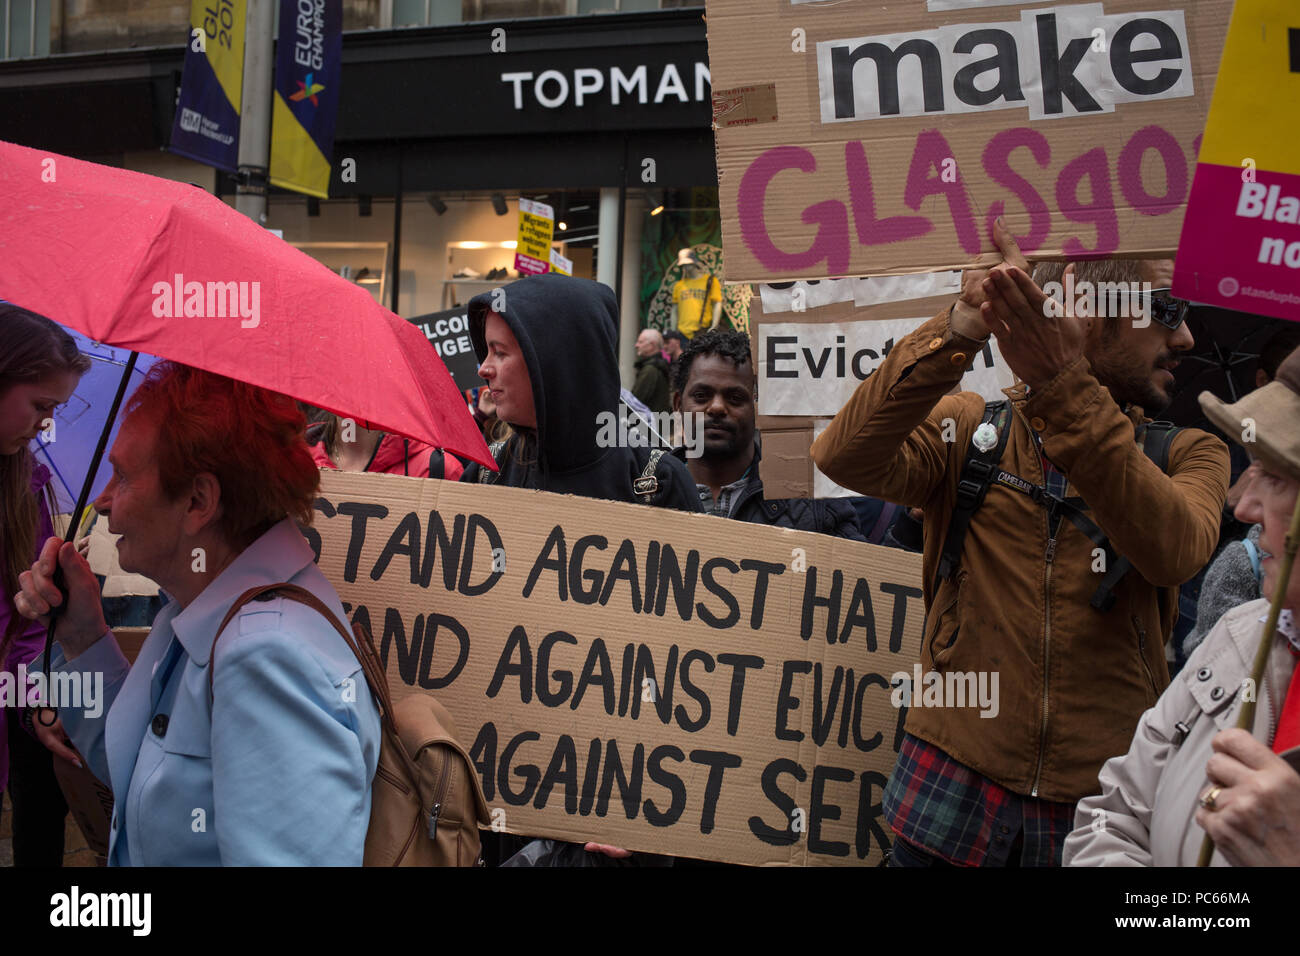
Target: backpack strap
[(360, 645), (980, 473), (486, 477), (977, 475), (1156, 438), (885, 521), (648, 484)]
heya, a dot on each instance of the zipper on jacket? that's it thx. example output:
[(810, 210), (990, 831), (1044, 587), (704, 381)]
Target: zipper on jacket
[(436, 809), (1053, 525), (1142, 653)]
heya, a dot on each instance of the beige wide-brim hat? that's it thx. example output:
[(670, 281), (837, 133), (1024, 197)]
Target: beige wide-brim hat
[(1270, 415)]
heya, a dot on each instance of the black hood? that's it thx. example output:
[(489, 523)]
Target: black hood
[(567, 330)]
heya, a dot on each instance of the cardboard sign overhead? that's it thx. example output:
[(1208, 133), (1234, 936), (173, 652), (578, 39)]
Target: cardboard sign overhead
[(1241, 238), (635, 676), (901, 130), (814, 342)]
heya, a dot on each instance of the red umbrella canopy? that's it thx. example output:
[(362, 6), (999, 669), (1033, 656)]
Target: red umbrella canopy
[(166, 268)]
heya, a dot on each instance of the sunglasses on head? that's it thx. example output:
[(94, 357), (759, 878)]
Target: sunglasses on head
[(1165, 309)]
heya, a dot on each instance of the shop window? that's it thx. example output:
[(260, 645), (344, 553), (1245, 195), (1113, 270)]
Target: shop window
[(512, 9), (24, 28), (618, 6), (418, 13), (413, 13)]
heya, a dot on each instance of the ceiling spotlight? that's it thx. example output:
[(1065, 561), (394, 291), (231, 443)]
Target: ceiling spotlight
[(499, 204), (562, 225), (363, 205), (657, 209), (438, 205)]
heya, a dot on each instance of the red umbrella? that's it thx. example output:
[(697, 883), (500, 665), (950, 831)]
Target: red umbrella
[(166, 268)]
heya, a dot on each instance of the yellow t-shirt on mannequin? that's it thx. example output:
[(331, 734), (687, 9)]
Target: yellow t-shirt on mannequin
[(694, 299)]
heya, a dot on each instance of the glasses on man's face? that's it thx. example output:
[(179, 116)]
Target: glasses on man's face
[(1164, 308)]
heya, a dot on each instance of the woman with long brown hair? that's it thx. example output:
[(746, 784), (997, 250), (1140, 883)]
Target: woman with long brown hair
[(40, 366)]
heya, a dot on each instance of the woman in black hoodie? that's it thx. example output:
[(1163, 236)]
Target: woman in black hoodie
[(546, 348), (545, 345)]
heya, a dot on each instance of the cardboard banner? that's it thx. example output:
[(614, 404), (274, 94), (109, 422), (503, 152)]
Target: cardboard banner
[(803, 295), (813, 367), (870, 138), (308, 78), (1241, 239), (536, 229), (809, 359), (206, 125), (639, 677), (448, 333)]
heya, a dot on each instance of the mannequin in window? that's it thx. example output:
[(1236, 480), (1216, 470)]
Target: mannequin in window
[(696, 294)]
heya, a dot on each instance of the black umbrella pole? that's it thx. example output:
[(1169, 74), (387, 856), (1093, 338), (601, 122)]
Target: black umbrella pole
[(75, 523)]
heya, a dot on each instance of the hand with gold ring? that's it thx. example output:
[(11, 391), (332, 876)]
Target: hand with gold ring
[(1252, 808)]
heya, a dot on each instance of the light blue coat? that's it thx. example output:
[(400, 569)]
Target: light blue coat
[(276, 770)]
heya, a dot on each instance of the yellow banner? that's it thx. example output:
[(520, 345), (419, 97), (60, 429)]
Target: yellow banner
[(222, 22), (536, 229), (1253, 120)]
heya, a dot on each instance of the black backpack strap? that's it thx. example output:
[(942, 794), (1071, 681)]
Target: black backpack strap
[(977, 476), (1157, 437), (485, 475), (648, 484)]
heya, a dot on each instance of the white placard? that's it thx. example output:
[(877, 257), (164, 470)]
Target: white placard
[(801, 295), (807, 368)]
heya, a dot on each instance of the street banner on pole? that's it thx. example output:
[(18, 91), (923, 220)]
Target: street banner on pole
[(206, 125), (1240, 247), (641, 677), (308, 72), (864, 137)]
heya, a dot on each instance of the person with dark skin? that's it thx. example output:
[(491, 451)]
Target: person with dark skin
[(715, 381), (720, 390)]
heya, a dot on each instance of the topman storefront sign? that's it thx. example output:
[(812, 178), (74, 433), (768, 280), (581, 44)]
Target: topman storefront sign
[(642, 84)]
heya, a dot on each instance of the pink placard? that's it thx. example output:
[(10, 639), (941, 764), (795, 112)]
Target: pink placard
[(1240, 247)]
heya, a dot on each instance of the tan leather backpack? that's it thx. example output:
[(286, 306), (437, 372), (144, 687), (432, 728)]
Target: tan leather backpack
[(426, 802)]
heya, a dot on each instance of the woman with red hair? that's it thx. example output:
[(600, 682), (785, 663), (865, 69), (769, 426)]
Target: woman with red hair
[(259, 748)]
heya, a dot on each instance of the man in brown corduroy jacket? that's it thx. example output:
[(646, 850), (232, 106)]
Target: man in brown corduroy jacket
[(997, 786)]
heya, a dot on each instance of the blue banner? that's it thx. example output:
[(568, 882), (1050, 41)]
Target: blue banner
[(206, 126), (308, 69)]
